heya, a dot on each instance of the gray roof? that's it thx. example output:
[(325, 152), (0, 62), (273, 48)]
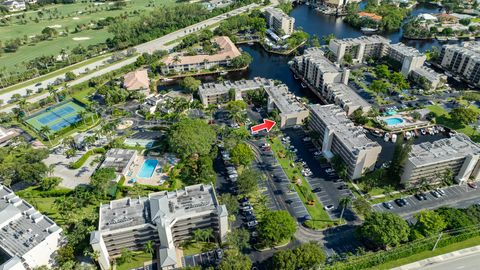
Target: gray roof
[(208, 89), (168, 257), (23, 227), (285, 101), (346, 95), (405, 50), (118, 159), (317, 57), (458, 146), (428, 73), (374, 39)]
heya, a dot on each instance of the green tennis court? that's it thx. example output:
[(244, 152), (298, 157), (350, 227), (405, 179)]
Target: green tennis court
[(57, 117)]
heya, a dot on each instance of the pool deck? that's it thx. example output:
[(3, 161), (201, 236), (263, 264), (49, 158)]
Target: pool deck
[(407, 124), (134, 170)]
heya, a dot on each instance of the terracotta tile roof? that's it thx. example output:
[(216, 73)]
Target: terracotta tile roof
[(372, 16), (136, 80), (227, 50)]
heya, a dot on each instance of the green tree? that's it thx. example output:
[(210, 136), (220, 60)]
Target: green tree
[(101, 180), (241, 61), (344, 202), (305, 256), (382, 72), (242, 154), (384, 229), (149, 247), (125, 257), (65, 254), (454, 218), (362, 207), (464, 115), (247, 181), (190, 84), (49, 183), (70, 76), (191, 136), (429, 223), (358, 117), (234, 260), (239, 238), (276, 226), (400, 155), (230, 202)]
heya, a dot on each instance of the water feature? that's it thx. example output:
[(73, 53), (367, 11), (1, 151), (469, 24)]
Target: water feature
[(393, 121), (148, 168)]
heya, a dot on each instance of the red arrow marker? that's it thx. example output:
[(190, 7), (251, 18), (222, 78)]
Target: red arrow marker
[(267, 124)]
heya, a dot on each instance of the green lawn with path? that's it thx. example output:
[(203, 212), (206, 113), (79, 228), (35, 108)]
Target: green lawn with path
[(443, 118), (138, 258), (320, 218)]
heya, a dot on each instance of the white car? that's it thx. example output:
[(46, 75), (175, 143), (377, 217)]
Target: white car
[(329, 207), (307, 139), (317, 153)]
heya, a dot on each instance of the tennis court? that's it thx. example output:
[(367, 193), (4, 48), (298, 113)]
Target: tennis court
[(57, 117)]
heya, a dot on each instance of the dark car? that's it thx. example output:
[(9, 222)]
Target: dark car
[(387, 205), (316, 190), (421, 196), (401, 202), (435, 194)]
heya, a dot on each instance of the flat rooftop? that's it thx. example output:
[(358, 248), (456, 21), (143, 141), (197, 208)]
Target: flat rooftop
[(22, 226), (373, 39), (209, 89), (178, 204), (471, 48), (317, 57), (405, 50), (458, 146), (428, 73), (345, 130), (347, 95), (285, 101), (118, 158), (277, 13)]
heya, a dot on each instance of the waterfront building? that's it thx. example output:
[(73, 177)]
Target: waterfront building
[(165, 218), (345, 97), (280, 22), (429, 160), (407, 57), (28, 239), (463, 60), (292, 111), (337, 4), (338, 135), (359, 48), (428, 78), (222, 58), (317, 70)]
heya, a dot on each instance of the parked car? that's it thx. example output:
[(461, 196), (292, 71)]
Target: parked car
[(316, 190), (472, 185), (252, 224), (387, 205), (246, 208), (307, 139), (219, 253), (421, 196), (435, 194), (329, 207), (401, 202)]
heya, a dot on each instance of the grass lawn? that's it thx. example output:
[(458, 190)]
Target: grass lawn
[(194, 247), (73, 15), (427, 254), (387, 198), (444, 119), (320, 218), (138, 258)]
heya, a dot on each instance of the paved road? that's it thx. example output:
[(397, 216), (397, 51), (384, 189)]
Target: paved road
[(468, 262), (149, 47), (455, 196)]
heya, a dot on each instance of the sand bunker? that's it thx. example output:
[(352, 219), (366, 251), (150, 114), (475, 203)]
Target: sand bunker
[(80, 38), (55, 26), (75, 18)]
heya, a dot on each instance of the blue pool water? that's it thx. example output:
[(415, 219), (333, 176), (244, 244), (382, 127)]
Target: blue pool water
[(148, 168), (393, 121)]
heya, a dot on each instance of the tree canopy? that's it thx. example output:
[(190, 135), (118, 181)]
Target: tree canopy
[(101, 179), (306, 256), (384, 229), (247, 181), (242, 154), (22, 163), (191, 136), (276, 226), (233, 259), (463, 115), (190, 84), (429, 223)]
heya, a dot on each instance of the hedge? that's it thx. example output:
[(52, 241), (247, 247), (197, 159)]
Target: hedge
[(79, 163)]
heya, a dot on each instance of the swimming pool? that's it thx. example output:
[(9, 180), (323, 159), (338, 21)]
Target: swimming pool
[(148, 168), (393, 121)]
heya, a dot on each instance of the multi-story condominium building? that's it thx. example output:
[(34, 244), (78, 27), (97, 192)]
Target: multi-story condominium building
[(463, 60), (359, 48), (28, 239), (292, 111), (317, 70), (345, 97), (181, 63), (280, 22), (164, 218), (428, 161), (408, 57), (428, 78), (339, 136)]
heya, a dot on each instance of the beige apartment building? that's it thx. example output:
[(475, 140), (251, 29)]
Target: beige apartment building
[(428, 161), (345, 97), (164, 218), (463, 60), (409, 57), (359, 48), (280, 22), (339, 136)]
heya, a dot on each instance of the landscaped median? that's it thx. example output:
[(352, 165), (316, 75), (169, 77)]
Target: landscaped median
[(320, 218), (79, 163)]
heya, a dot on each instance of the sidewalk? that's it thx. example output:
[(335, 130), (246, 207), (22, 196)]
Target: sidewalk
[(440, 258)]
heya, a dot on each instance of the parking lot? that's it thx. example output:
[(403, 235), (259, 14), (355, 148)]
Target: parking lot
[(455, 196)]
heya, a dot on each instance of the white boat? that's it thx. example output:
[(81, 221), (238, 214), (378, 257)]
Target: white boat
[(223, 73), (386, 137), (367, 30), (250, 43), (423, 131), (394, 137), (408, 135), (167, 80)]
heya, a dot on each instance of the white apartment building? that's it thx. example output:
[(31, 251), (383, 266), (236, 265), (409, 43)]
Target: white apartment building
[(345, 97), (165, 218), (280, 22), (408, 57), (317, 70), (427, 161), (28, 239), (463, 60), (431, 79), (292, 111), (359, 48), (339, 136)]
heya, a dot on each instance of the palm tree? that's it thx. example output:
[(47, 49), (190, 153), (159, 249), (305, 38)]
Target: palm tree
[(51, 169), (344, 203), (53, 92), (23, 104), (45, 131), (149, 247), (197, 235), (82, 115), (207, 234)]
